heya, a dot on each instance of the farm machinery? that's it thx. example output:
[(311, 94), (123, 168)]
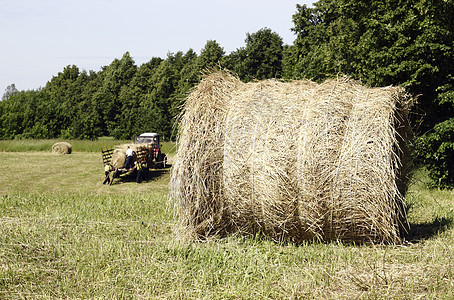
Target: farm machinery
[(136, 159)]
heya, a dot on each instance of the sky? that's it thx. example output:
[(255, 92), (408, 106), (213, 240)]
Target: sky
[(40, 37)]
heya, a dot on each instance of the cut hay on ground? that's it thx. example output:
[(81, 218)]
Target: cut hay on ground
[(61, 148), (293, 161)]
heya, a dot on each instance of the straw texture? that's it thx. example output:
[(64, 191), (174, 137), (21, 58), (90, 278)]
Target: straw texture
[(62, 148), (293, 161), (144, 151)]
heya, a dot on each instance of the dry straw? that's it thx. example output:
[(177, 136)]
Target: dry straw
[(61, 148), (118, 157), (119, 154), (197, 172), (293, 161)]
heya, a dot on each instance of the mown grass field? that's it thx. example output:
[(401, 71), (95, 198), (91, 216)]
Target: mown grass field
[(65, 235)]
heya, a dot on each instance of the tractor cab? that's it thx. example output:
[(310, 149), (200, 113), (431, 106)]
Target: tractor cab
[(147, 138), (151, 143)]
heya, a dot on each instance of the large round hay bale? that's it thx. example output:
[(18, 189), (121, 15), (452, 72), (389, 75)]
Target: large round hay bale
[(260, 158), (293, 161), (62, 148), (197, 170)]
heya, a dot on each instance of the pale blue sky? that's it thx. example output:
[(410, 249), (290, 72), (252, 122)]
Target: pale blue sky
[(40, 37)]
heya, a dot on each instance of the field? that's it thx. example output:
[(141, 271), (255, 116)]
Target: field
[(63, 234)]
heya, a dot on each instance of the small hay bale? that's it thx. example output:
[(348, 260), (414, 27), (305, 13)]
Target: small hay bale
[(294, 161), (118, 158), (62, 148), (119, 154)]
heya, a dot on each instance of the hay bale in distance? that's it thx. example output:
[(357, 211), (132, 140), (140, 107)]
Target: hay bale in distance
[(294, 161), (62, 148)]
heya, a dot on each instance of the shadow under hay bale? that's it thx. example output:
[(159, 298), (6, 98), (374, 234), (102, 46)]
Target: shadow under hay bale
[(294, 161), (62, 148)]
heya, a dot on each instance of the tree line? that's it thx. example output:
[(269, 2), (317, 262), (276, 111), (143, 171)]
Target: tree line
[(387, 42), (124, 99)]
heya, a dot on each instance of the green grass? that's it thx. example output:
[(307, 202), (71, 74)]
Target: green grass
[(65, 235), (28, 145)]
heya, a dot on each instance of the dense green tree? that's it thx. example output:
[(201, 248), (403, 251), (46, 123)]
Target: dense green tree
[(210, 56), (261, 58), (397, 42), (156, 106), (63, 93), (114, 77), (11, 118), (188, 77), (436, 149), (35, 123), (10, 91), (309, 56), (131, 98), (380, 42)]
